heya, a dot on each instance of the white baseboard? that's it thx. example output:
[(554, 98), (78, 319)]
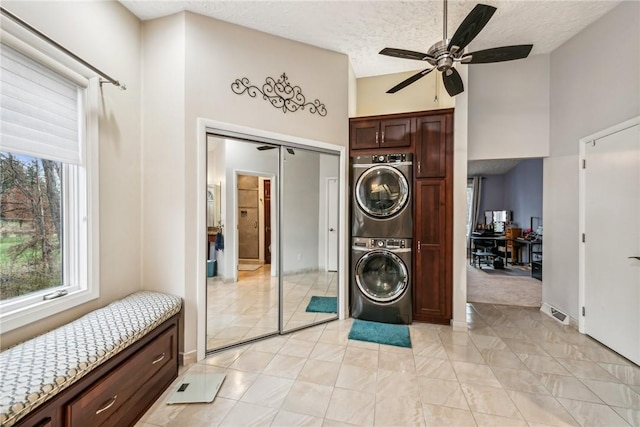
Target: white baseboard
[(459, 326), (188, 358)]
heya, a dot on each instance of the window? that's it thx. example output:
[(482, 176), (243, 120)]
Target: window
[(48, 187)]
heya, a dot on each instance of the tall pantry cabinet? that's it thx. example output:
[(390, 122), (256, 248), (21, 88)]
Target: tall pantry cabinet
[(429, 136)]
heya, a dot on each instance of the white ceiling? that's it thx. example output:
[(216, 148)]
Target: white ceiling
[(361, 29)]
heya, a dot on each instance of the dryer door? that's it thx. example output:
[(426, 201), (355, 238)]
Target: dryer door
[(381, 276), (382, 192)]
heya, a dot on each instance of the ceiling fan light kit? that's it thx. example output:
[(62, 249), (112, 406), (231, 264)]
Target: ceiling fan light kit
[(445, 53)]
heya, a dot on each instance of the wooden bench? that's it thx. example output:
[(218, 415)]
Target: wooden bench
[(106, 368)]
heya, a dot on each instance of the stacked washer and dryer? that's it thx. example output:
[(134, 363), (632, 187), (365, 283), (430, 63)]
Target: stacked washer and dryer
[(381, 229)]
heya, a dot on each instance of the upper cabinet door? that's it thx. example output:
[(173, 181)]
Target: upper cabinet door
[(395, 133), (373, 134), (365, 134), (431, 146)]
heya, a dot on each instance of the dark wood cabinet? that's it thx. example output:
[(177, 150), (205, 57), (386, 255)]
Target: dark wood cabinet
[(432, 285), (429, 136), (375, 134), (433, 210), (119, 391), (431, 156)]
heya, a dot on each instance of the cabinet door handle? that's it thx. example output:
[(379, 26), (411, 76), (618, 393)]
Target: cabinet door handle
[(382, 142), (158, 359), (418, 166), (376, 137), (108, 405), (418, 246), (635, 257), (44, 422)]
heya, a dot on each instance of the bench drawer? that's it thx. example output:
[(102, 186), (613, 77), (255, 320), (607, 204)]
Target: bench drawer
[(111, 399)]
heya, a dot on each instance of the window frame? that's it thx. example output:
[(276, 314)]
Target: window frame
[(81, 225)]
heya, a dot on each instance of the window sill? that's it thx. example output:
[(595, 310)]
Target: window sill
[(23, 316)]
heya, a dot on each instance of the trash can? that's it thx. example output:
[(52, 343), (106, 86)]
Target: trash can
[(211, 268)]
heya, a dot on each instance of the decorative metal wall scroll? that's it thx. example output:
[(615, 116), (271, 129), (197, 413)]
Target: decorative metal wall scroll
[(280, 94)]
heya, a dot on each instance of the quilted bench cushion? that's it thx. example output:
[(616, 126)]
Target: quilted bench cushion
[(34, 371)]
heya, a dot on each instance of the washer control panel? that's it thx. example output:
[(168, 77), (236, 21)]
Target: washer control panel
[(388, 243)]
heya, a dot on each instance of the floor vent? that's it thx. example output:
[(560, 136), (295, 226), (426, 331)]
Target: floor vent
[(558, 314), (555, 313)]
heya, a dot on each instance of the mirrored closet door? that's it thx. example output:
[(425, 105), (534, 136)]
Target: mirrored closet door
[(309, 237), (272, 239)]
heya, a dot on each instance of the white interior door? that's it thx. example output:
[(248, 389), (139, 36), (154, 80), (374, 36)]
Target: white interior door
[(332, 224), (612, 241)]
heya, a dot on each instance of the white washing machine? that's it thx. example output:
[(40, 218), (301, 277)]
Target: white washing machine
[(381, 280), (382, 186)]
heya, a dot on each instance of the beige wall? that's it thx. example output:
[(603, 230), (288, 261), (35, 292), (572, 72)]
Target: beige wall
[(163, 155), (372, 98), (108, 36), (205, 57), (509, 109)]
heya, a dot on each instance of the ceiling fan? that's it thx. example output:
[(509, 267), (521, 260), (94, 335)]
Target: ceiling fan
[(270, 147), (443, 54)]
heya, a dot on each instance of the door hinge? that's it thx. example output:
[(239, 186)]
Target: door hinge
[(584, 163), (583, 311), (583, 238)]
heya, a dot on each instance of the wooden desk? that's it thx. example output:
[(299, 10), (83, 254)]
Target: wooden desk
[(495, 241)]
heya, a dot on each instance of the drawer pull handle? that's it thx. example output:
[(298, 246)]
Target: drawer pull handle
[(158, 359), (109, 404)]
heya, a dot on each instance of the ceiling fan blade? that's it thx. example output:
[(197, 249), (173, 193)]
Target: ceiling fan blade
[(410, 80), (471, 27), (497, 54), (452, 82), (406, 54)]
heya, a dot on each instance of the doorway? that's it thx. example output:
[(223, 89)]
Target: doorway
[(266, 195), (248, 220), (504, 201)]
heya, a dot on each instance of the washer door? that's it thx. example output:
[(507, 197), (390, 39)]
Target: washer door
[(382, 191), (381, 276)]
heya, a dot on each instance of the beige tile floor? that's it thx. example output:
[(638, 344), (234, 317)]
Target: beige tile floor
[(248, 308), (515, 367)]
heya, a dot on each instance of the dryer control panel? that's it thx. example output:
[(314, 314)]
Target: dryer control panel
[(389, 158)]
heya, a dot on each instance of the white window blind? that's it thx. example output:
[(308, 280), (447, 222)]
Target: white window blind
[(39, 110)]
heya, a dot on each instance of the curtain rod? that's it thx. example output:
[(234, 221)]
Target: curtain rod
[(108, 79)]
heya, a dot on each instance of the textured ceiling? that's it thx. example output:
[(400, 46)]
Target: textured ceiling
[(491, 167), (361, 29)]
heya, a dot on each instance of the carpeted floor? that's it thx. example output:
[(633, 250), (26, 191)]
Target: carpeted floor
[(495, 288)]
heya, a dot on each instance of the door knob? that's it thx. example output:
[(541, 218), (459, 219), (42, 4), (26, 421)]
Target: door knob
[(332, 229), (636, 257)]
